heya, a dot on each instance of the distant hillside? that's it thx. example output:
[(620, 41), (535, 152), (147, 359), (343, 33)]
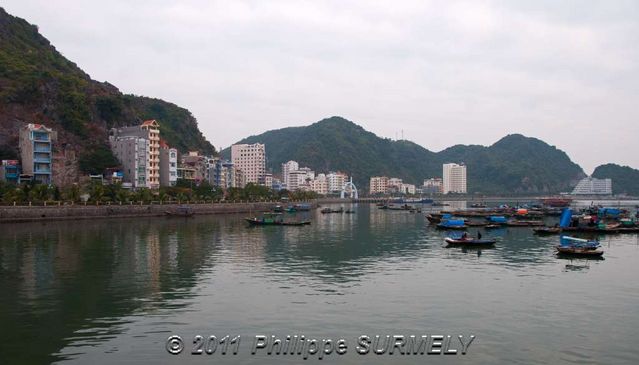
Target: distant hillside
[(625, 180), (515, 164), (38, 84)]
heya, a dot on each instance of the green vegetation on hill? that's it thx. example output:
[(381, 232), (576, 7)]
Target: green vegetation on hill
[(625, 180), (38, 84), (515, 164)]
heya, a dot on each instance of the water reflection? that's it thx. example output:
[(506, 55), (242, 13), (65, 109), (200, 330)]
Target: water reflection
[(73, 287)]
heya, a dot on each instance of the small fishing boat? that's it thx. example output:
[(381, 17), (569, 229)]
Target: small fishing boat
[(493, 226), (470, 241), (273, 219), (277, 209), (546, 230), (329, 210), (349, 211), (578, 247), (180, 212), (478, 205)]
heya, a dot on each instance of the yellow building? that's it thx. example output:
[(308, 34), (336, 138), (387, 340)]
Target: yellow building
[(153, 128)]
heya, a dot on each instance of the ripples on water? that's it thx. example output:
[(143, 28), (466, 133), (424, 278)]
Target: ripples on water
[(109, 291)]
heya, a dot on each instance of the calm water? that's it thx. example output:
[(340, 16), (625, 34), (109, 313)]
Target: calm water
[(113, 291)]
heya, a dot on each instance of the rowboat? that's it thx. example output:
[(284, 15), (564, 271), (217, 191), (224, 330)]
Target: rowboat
[(470, 241)]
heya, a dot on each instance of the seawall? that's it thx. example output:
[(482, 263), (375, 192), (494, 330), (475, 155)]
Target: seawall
[(80, 211)]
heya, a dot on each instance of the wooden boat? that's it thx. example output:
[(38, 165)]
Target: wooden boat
[(578, 247), (179, 212), (578, 251), (556, 202), (476, 224), (516, 223), (546, 230), (329, 210), (433, 219), (273, 219), (493, 226), (470, 241)]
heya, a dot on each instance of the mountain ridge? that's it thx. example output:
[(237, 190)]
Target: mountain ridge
[(510, 165)]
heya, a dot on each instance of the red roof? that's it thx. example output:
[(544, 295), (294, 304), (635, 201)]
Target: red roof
[(151, 122)]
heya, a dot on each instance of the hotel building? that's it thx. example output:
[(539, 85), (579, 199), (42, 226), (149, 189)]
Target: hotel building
[(454, 180), (250, 159)]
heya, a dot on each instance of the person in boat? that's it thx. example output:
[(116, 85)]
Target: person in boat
[(478, 235), (464, 236)]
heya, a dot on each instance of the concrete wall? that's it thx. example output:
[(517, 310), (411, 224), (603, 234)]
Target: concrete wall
[(74, 212)]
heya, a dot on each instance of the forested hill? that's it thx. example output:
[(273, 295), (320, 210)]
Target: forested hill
[(625, 179), (514, 164), (39, 85)]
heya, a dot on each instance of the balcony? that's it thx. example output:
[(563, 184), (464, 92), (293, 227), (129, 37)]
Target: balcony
[(42, 147)]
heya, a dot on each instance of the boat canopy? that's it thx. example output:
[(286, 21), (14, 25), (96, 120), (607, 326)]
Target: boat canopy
[(566, 217), (452, 222), (497, 219), (612, 212)]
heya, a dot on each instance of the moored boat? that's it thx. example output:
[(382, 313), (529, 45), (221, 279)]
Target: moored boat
[(546, 230), (578, 247), (179, 212), (470, 241), (273, 219)]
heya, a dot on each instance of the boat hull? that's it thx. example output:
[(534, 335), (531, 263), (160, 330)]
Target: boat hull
[(471, 242)]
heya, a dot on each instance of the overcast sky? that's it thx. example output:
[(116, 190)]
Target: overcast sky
[(444, 72)]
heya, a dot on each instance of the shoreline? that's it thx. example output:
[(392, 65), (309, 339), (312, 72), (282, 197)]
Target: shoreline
[(63, 212)]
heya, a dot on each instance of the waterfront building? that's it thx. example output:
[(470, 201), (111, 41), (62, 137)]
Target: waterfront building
[(130, 144), (10, 171), (267, 180), (319, 184), (286, 169), (408, 189), (378, 185), (454, 180), (133, 154), (593, 186), (152, 127), (200, 165), (433, 186), (296, 179), (186, 173), (36, 151), (250, 159), (168, 165), (336, 181), (222, 174)]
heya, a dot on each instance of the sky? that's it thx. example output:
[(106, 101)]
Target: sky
[(441, 72)]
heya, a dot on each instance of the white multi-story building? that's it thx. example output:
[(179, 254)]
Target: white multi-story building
[(593, 186), (454, 180), (407, 189), (336, 181), (433, 185), (286, 169), (378, 185), (250, 159)]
